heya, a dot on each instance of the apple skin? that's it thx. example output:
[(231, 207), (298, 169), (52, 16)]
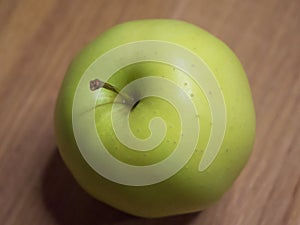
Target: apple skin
[(188, 190)]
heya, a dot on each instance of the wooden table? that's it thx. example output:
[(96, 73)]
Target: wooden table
[(39, 38)]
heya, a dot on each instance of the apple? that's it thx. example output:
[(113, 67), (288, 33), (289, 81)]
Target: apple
[(155, 118)]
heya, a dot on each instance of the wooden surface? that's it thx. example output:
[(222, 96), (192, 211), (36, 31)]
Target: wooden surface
[(39, 38)]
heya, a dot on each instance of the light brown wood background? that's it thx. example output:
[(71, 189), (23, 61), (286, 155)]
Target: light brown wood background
[(39, 38)]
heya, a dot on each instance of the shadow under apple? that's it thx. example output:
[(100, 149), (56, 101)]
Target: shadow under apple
[(69, 204)]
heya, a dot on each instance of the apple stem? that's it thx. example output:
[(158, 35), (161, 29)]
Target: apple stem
[(96, 84)]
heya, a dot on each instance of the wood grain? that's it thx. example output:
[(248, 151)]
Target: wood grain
[(38, 40)]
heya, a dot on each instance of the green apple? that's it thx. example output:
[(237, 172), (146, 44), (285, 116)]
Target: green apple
[(155, 118)]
